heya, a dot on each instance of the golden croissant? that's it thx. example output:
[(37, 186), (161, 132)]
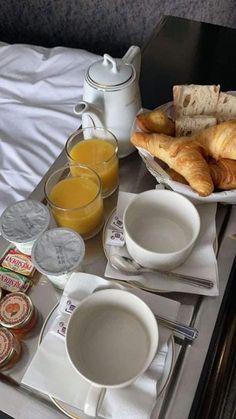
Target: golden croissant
[(180, 154), (176, 176), (219, 141), (223, 173)]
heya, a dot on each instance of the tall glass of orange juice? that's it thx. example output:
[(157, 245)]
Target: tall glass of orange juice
[(97, 148), (75, 199)]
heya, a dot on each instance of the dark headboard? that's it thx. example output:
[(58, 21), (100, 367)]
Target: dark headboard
[(100, 25)]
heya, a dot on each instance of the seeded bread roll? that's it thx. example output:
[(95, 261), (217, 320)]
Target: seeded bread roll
[(192, 99), (190, 125), (226, 107)]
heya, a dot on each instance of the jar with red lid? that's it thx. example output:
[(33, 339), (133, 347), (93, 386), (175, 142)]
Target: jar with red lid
[(17, 313), (10, 349)]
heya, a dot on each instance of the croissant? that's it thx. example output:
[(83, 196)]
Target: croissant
[(219, 141), (182, 155), (223, 173), (176, 176)]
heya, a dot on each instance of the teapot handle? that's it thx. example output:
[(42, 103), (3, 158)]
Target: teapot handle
[(133, 56)]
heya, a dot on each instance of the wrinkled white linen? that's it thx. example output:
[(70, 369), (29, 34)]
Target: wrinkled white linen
[(38, 89)]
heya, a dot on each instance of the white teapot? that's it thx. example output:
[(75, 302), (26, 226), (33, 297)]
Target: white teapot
[(111, 96)]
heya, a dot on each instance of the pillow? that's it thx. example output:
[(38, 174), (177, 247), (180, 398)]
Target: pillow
[(39, 88)]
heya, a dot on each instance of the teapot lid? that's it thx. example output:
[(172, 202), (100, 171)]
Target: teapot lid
[(109, 72)]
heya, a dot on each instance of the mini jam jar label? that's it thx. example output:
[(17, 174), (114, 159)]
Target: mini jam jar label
[(6, 345), (14, 309)]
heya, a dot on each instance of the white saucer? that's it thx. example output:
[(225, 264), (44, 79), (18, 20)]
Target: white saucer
[(76, 413)]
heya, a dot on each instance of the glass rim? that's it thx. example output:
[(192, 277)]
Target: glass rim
[(63, 168), (79, 130)]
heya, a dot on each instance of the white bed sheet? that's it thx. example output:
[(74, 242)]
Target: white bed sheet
[(38, 89)]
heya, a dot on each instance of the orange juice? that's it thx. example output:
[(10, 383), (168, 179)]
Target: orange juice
[(101, 156), (77, 204)]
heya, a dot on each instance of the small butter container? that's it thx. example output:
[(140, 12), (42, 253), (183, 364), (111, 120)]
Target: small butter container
[(57, 254), (12, 281), (18, 262), (10, 349), (23, 222)]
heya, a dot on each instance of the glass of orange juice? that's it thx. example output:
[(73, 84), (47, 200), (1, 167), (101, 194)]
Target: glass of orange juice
[(75, 199), (97, 148)]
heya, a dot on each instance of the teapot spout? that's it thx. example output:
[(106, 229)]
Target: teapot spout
[(133, 56), (87, 109)]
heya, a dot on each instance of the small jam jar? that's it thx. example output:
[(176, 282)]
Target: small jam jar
[(10, 349), (17, 313)]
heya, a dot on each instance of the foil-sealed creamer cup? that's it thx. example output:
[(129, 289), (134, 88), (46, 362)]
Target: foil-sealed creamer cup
[(58, 253), (23, 222)]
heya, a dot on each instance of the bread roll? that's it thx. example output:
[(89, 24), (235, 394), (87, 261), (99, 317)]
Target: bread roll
[(155, 121), (194, 99), (189, 125)]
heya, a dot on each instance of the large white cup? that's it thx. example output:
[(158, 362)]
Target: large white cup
[(111, 339)]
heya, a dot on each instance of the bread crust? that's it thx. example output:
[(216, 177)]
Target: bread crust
[(191, 99), (226, 107)]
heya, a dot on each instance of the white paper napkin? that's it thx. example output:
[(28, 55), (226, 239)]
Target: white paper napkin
[(201, 262), (51, 372)]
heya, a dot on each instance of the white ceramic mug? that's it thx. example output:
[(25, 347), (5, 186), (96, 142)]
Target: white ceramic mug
[(111, 339), (161, 228)]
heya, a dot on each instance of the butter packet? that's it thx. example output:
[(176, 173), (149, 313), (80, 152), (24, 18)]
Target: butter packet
[(12, 281), (18, 262)]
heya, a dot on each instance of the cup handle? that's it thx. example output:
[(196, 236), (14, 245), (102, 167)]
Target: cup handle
[(93, 400)]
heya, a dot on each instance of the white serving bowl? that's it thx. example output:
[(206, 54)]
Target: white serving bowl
[(161, 227)]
